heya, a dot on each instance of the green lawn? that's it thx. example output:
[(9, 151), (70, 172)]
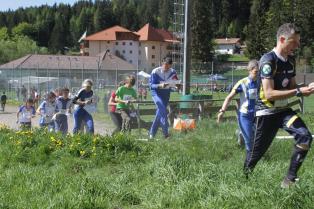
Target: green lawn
[(199, 169)]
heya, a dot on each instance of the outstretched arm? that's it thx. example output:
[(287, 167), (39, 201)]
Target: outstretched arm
[(271, 94), (225, 105)]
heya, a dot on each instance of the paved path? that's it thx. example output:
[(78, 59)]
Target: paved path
[(9, 118)]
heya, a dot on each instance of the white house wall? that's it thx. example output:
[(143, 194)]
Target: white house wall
[(151, 54), (145, 54)]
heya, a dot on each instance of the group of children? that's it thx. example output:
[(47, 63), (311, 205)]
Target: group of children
[(57, 106), (53, 111)]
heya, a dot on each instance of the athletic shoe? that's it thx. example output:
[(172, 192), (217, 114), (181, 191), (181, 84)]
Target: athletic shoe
[(167, 136), (287, 183)]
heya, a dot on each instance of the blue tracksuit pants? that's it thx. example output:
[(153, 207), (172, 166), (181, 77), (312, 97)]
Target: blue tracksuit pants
[(161, 118), (61, 124), (80, 115), (246, 123)]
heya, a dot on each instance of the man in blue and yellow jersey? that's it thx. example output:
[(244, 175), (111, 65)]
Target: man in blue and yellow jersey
[(277, 84)]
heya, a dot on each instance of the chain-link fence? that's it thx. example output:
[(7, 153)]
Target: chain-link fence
[(19, 81)]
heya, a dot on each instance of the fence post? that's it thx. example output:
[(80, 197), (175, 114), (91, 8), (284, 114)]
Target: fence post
[(138, 119), (302, 104)]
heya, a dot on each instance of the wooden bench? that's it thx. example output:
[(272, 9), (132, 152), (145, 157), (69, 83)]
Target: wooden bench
[(198, 110)]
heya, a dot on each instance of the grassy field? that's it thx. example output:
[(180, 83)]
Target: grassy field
[(199, 169)]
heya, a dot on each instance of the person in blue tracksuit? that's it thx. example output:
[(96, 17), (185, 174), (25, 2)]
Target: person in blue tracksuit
[(64, 104), (84, 107), (160, 80), (247, 89)]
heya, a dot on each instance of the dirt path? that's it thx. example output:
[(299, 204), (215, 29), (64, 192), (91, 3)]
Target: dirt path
[(9, 118)]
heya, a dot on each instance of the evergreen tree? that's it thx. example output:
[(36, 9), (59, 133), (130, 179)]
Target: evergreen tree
[(202, 32), (57, 41), (166, 14), (103, 16), (3, 21), (256, 36), (44, 24)]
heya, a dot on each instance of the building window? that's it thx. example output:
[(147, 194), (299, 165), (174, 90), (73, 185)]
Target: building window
[(130, 61), (123, 43), (131, 52), (123, 51), (139, 62), (153, 47), (117, 43), (131, 43), (139, 44), (139, 51), (153, 64), (153, 56)]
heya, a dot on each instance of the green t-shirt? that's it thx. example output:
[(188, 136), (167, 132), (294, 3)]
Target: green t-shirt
[(124, 93)]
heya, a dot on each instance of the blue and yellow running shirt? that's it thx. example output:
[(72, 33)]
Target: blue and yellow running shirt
[(273, 66), (247, 89)]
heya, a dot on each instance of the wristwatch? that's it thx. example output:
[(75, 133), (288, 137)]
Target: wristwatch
[(298, 93)]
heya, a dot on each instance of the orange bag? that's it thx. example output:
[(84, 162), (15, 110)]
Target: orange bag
[(184, 124)]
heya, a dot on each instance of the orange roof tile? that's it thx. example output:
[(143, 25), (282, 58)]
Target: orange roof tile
[(112, 34), (149, 33)]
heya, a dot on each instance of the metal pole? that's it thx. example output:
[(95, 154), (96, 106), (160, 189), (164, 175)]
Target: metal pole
[(97, 76), (116, 74), (83, 73), (187, 51), (38, 84), (58, 74), (232, 73)]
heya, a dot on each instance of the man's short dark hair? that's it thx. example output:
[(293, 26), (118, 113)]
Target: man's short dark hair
[(167, 60), (287, 30)]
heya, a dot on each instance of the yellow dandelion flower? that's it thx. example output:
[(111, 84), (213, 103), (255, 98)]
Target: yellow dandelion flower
[(52, 138), (82, 152)]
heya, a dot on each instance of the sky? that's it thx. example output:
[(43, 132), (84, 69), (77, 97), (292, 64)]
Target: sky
[(15, 4)]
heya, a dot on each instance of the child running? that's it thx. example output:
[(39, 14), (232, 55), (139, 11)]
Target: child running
[(64, 104), (124, 95), (46, 110), (84, 106), (247, 88), (25, 114)]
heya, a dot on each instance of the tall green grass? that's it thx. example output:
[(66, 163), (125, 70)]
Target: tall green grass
[(198, 169)]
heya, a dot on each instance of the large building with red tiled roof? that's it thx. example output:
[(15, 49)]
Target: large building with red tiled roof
[(144, 48)]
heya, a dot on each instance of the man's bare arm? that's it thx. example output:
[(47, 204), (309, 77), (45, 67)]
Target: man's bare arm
[(271, 94)]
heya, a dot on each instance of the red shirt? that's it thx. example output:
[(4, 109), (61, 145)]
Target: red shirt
[(113, 107)]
